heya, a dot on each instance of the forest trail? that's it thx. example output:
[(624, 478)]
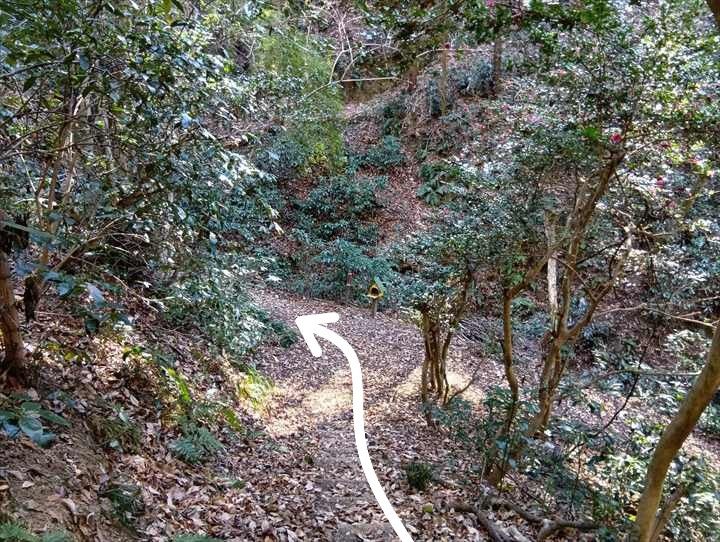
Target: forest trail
[(310, 418)]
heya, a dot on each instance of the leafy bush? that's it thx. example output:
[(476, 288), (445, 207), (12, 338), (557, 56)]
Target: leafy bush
[(345, 270), (440, 182), (214, 300), (474, 81), (393, 114), (446, 135), (175, 180), (383, 156), (621, 474), (285, 158), (337, 237), (479, 435), (340, 207), (710, 421), (434, 100), (254, 387), (27, 418), (293, 67), (419, 475)]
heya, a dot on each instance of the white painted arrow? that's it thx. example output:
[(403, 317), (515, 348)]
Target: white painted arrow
[(311, 326)]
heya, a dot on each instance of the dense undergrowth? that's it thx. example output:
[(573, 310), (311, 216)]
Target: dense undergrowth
[(162, 163)]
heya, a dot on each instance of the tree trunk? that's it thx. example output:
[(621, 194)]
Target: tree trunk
[(673, 438), (508, 363), (497, 62), (552, 274), (549, 381), (12, 363), (715, 8), (666, 512), (497, 472), (444, 61), (426, 369)]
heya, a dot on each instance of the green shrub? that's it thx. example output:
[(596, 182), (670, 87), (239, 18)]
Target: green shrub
[(196, 445), (447, 135), (474, 81), (419, 475), (27, 419), (441, 181), (14, 532), (393, 115), (621, 472), (340, 207), (345, 270), (213, 299), (254, 387), (117, 430), (127, 502), (434, 100), (293, 66), (710, 421), (524, 307), (336, 235), (383, 156), (285, 158)]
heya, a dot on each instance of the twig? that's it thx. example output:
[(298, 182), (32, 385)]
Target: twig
[(630, 393), (464, 389), (353, 80)]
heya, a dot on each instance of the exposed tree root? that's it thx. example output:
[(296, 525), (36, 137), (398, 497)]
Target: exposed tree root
[(496, 534), (547, 526)]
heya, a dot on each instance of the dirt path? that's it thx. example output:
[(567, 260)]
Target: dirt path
[(323, 494)]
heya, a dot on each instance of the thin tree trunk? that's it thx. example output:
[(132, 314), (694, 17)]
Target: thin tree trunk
[(497, 472), (695, 192), (552, 271), (424, 384), (12, 363), (546, 393), (444, 60), (497, 62), (510, 375), (673, 438)]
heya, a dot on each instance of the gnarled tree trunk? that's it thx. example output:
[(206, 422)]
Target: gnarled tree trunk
[(434, 369), (672, 440), (438, 331), (12, 362)]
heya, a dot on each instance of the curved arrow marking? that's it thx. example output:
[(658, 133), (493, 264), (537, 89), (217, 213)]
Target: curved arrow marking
[(311, 326)]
